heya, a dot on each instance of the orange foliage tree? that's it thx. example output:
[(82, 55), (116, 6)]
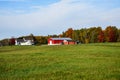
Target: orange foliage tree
[(111, 34), (69, 33)]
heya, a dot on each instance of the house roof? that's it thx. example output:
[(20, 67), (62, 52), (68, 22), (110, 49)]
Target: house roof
[(70, 40), (28, 38), (61, 38), (24, 39), (20, 40)]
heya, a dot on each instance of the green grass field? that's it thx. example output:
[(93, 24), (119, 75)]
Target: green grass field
[(100, 61)]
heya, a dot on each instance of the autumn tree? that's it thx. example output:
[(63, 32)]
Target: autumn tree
[(92, 34), (82, 35), (87, 36), (41, 40), (75, 35), (69, 33), (101, 36), (111, 34), (12, 41), (60, 35), (5, 42), (118, 37)]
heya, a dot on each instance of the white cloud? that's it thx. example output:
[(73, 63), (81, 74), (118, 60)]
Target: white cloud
[(57, 17)]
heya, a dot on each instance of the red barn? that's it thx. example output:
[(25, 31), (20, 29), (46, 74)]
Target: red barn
[(60, 41)]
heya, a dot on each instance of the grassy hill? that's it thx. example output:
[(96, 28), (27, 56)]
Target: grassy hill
[(100, 61)]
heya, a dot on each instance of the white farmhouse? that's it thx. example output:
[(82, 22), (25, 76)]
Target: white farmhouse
[(24, 41)]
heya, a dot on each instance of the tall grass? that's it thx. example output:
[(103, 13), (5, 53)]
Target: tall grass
[(100, 61)]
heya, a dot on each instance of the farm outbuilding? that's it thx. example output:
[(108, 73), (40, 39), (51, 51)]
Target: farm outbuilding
[(60, 41)]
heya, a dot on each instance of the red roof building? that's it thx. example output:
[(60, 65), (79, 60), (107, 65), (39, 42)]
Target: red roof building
[(60, 41)]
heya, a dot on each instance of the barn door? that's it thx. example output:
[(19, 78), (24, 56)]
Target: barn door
[(50, 42)]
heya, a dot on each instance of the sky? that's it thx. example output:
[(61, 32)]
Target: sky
[(48, 17)]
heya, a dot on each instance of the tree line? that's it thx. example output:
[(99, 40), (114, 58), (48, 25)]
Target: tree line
[(84, 35), (94, 34)]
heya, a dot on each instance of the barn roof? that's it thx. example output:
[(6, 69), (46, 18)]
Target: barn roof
[(61, 38)]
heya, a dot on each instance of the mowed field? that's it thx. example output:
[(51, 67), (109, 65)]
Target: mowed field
[(100, 61)]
